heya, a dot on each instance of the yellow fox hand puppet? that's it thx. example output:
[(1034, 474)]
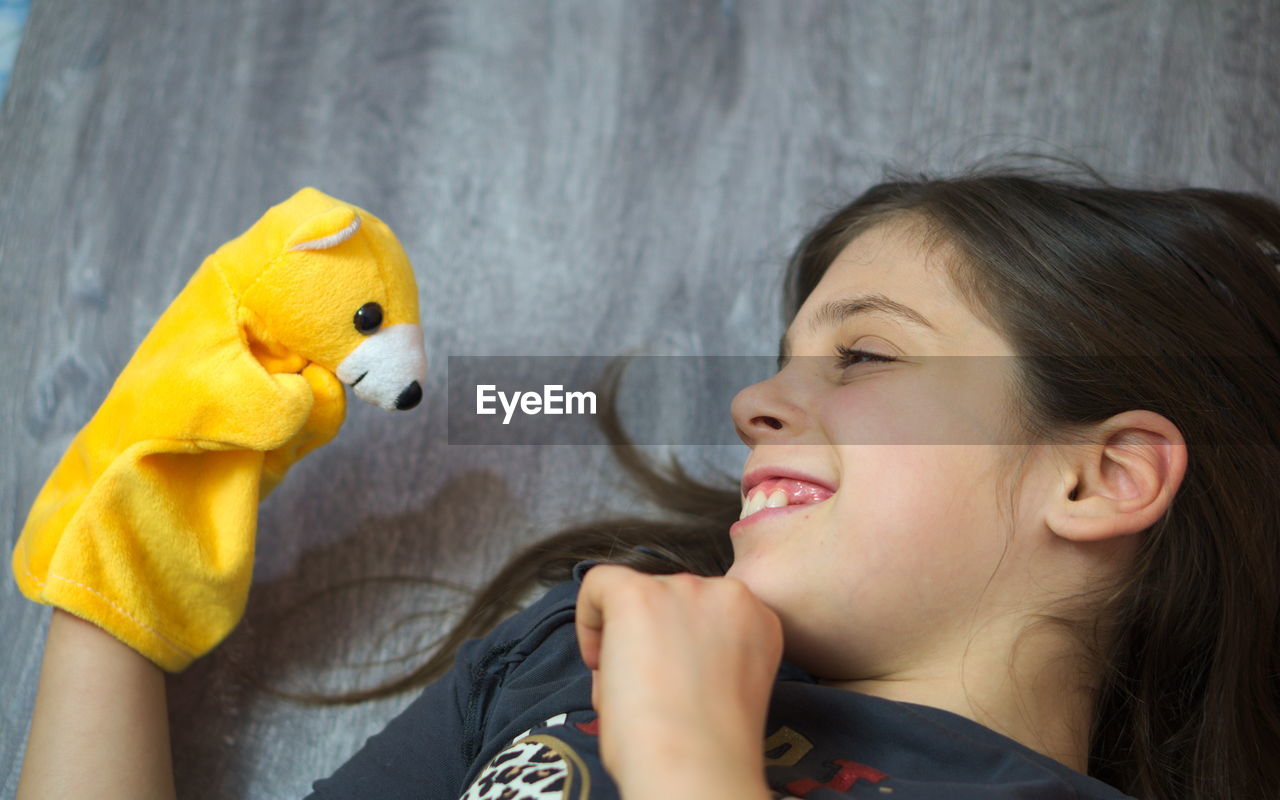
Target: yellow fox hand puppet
[(146, 526)]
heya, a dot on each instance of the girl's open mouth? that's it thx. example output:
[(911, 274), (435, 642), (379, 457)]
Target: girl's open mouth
[(777, 496)]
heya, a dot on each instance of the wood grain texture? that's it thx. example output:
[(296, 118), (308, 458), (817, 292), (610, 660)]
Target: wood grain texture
[(568, 178)]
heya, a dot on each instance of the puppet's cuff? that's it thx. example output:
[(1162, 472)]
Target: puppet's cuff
[(158, 552)]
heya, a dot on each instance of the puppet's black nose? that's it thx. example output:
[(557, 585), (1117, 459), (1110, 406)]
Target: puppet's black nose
[(409, 397)]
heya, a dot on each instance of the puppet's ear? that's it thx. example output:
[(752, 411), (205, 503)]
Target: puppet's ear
[(328, 229)]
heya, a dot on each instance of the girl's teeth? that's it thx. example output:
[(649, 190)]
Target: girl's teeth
[(758, 501), (779, 498), (754, 503)]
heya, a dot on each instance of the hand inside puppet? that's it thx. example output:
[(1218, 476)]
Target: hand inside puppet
[(146, 526)]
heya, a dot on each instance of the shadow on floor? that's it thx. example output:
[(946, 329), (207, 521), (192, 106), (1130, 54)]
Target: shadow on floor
[(316, 629)]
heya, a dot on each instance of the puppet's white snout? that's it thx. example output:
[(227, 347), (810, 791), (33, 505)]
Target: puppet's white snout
[(389, 369)]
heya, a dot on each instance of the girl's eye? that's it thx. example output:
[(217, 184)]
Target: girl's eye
[(852, 355)]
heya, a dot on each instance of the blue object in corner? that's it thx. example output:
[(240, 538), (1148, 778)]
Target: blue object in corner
[(13, 17)]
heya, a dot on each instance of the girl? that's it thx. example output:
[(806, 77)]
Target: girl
[(1003, 532)]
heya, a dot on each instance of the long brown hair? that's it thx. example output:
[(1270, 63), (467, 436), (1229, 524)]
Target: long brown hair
[(1097, 286)]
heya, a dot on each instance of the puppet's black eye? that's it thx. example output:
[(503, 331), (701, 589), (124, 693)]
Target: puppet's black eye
[(368, 318)]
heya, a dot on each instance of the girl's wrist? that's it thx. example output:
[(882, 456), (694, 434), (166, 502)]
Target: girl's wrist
[(708, 783), (705, 782), (100, 723), (688, 765)]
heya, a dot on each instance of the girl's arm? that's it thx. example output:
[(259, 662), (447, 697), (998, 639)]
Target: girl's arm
[(100, 727)]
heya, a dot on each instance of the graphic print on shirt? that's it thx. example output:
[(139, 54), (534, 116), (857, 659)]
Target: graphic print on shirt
[(545, 767), (786, 747), (539, 767)]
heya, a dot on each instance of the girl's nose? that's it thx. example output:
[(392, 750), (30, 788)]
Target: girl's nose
[(760, 412)]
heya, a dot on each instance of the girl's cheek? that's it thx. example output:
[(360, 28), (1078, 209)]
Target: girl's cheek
[(867, 413), (892, 409)]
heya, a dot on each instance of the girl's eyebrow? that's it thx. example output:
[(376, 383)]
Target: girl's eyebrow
[(837, 311)]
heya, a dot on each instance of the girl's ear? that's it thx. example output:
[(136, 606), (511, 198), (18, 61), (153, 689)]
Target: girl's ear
[(1123, 484)]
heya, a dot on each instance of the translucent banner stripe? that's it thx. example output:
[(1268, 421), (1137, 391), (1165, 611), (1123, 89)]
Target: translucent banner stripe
[(921, 400)]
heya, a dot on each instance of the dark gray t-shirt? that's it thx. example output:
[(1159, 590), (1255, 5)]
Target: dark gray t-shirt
[(513, 719)]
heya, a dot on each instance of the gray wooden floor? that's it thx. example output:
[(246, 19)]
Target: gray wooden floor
[(569, 178)]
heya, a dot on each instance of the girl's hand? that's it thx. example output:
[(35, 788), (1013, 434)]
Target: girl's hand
[(682, 671)]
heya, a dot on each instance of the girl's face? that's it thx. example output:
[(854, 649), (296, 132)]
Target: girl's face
[(884, 576)]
